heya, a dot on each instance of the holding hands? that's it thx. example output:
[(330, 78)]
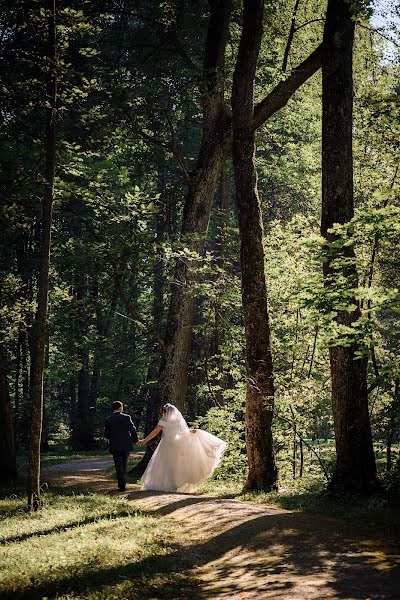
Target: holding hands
[(154, 433)]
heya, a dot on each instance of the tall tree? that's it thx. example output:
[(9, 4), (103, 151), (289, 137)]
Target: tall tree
[(38, 355), (355, 463), (259, 369), (173, 379), (215, 146)]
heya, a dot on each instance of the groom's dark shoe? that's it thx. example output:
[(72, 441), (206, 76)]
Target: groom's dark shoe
[(122, 489)]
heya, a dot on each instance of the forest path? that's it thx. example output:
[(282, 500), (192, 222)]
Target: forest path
[(242, 550)]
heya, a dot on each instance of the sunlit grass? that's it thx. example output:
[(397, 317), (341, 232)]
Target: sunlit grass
[(86, 546)]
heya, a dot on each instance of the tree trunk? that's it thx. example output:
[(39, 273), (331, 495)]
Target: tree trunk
[(8, 463), (260, 388), (43, 283), (355, 461), (173, 378), (215, 147)]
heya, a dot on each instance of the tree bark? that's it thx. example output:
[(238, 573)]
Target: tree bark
[(355, 461), (43, 283), (173, 378), (260, 387), (215, 147), (8, 462)]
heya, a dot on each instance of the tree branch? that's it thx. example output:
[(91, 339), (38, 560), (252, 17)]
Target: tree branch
[(285, 89), (290, 37)]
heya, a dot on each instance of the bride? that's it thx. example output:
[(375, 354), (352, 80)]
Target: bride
[(184, 457)]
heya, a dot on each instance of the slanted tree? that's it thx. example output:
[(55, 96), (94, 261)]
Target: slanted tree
[(173, 380), (355, 468), (262, 472), (38, 354), (215, 146)]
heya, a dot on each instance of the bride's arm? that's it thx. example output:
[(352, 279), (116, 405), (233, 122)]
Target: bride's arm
[(151, 435)]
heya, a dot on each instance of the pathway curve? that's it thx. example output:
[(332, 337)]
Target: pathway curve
[(241, 550)]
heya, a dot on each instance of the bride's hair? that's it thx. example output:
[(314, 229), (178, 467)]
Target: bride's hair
[(168, 410), (172, 415)]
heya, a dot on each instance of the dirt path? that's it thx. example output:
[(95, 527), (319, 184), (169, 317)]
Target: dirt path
[(241, 550)]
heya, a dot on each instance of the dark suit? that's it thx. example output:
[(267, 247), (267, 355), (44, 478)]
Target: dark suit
[(120, 432)]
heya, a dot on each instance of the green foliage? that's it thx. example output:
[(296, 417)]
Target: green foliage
[(128, 132), (227, 422)]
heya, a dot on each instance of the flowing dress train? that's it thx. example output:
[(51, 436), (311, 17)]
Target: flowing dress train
[(182, 460)]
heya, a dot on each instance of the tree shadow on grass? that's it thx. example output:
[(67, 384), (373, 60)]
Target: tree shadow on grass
[(272, 556), (106, 516)]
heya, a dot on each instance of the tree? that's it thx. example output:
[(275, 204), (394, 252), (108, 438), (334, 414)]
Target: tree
[(259, 369), (355, 461), (38, 355), (215, 146)]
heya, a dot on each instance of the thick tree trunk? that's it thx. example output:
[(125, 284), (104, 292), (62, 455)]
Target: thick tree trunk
[(43, 283), (355, 461), (215, 147), (8, 463), (260, 386), (173, 378), (177, 342)]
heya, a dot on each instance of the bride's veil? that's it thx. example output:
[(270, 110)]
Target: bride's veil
[(174, 417)]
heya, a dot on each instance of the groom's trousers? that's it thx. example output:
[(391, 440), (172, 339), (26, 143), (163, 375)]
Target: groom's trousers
[(120, 460)]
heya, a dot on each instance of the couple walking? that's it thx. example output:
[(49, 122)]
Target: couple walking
[(184, 458)]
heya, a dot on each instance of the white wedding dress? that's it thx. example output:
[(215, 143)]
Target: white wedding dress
[(183, 459)]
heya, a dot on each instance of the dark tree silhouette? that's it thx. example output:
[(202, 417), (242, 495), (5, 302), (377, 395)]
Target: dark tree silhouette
[(355, 465)]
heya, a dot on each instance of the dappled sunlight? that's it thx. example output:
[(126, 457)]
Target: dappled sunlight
[(80, 554), (242, 548), (151, 545)]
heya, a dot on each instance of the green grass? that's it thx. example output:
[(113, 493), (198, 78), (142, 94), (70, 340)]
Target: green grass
[(87, 546)]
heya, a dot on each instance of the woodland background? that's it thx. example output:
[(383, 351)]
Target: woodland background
[(130, 122)]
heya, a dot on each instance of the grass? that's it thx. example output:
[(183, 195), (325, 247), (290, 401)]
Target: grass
[(90, 546), (95, 546), (86, 546)]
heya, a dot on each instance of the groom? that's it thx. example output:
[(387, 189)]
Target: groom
[(120, 432)]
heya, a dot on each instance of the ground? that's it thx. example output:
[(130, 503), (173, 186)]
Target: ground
[(226, 548)]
